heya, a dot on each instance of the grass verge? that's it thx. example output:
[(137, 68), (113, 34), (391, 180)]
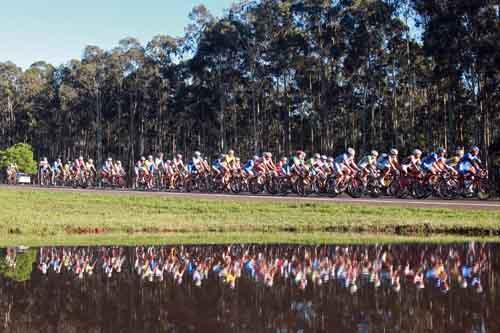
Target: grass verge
[(60, 218)]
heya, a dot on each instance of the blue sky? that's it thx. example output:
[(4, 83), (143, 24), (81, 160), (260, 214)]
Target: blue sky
[(57, 30)]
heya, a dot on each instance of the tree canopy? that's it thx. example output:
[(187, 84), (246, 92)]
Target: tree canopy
[(274, 75)]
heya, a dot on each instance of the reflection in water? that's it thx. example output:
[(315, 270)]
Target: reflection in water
[(408, 288)]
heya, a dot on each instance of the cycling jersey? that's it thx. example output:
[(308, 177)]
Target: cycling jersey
[(216, 164), (368, 160), (248, 167), (229, 160), (467, 162), (107, 167), (453, 161), (56, 166), (342, 161), (429, 161)]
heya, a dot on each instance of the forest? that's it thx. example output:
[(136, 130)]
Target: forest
[(271, 75)]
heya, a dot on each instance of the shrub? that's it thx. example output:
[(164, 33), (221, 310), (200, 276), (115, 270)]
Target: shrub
[(24, 266), (20, 154)]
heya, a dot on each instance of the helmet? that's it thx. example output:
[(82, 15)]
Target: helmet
[(179, 156), (351, 152), (374, 153), (268, 155), (143, 158), (231, 152), (331, 159), (150, 157), (222, 156), (324, 158), (197, 154), (110, 159), (394, 152), (317, 156), (80, 158), (237, 159), (417, 152), (284, 159), (119, 162), (475, 149), (91, 161), (441, 150), (44, 159), (255, 158), (299, 152)]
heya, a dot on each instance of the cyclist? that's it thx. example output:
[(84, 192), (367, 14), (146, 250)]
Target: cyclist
[(387, 163), (313, 163), (442, 162), (217, 165), (297, 162), (90, 167), (430, 163), (229, 159), (368, 164), (248, 167), (470, 164), (412, 163), (196, 163), (268, 162), (345, 164), (283, 168), (178, 163), (118, 169), (56, 169), (107, 169), (453, 161)]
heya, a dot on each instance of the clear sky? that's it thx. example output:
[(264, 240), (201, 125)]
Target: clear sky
[(58, 30)]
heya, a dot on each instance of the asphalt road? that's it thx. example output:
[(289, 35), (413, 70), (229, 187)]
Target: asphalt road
[(382, 201)]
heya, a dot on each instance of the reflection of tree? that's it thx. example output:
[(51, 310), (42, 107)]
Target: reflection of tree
[(21, 270)]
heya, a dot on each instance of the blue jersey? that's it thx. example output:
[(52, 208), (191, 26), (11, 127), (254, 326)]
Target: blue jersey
[(467, 162), (469, 157), (342, 159), (216, 164), (249, 165), (430, 159)]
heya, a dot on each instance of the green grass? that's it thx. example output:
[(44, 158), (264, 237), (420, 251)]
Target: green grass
[(43, 217)]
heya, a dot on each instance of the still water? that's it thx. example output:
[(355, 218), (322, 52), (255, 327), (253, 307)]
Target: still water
[(251, 288)]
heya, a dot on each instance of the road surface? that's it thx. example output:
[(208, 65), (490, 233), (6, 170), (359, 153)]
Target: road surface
[(383, 201)]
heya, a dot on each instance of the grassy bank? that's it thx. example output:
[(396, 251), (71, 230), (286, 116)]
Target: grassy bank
[(44, 217)]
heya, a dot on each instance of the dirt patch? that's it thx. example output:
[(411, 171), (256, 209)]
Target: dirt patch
[(422, 229), (84, 230)]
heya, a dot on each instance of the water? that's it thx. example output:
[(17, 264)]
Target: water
[(397, 288)]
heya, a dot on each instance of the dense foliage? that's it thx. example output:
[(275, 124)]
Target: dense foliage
[(20, 154), (272, 75), (23, 267)]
